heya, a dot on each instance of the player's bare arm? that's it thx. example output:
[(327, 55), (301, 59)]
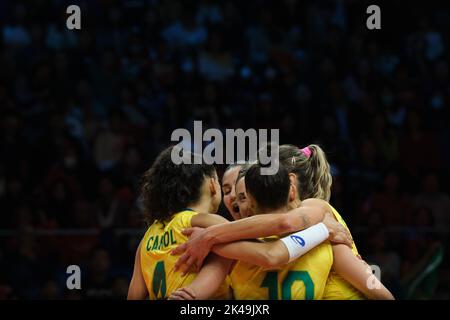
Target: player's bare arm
[(220, 230), (268, 255), (207, 281), (357, 273), (137, 289), (264, 254)]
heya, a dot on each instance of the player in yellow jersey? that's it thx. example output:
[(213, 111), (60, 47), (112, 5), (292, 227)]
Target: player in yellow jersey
[(306, 165), (172, 197), (310, 171), (303, 278)]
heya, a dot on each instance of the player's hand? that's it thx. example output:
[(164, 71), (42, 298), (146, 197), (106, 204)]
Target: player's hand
[(338, 233), (182, 294), (194, 251)]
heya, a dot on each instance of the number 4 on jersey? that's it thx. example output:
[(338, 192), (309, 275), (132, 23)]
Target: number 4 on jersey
[(159, 280)]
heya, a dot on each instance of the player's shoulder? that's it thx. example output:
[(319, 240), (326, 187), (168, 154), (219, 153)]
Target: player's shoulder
[(178, 220), (182, 219), (317, 203), (184, 213)]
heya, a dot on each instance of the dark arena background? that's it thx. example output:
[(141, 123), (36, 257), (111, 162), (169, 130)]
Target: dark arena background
[(83, 113)]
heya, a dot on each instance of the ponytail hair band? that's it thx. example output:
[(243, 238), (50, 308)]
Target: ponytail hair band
[(306, 151)]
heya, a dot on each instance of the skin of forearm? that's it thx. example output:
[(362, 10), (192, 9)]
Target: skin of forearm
[(248, 228), (210, 277), (136, 293), (379, 294), (243, 251), (206, 284), (264, 225), (355, 271), (137, 289), (266, 255)]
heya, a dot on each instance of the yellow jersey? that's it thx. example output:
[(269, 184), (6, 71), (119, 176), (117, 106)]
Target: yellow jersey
[(336, 287), (302, 279), (157, 264)]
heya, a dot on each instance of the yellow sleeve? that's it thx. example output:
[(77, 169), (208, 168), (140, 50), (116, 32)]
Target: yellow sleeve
[(185, 218), (341, 221)]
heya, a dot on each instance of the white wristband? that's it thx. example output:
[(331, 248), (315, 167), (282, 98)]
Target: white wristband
[(301, 242)]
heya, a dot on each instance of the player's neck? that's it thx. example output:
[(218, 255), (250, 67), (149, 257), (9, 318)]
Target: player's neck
[(294, 204), (202, 206)]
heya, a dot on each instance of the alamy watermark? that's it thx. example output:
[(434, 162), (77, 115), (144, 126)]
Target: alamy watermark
[(250, 146), (374, 280), (374, 20), (74, 279), (74, 20)]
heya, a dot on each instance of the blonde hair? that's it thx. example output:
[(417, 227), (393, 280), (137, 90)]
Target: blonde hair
[(312, 169)]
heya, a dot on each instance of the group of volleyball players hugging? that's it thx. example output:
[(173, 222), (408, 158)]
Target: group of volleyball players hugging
[(286, 241)]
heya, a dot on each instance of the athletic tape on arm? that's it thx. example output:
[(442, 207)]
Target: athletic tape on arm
[(301, 242)]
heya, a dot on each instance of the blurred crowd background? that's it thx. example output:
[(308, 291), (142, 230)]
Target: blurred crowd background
[(83, 113)]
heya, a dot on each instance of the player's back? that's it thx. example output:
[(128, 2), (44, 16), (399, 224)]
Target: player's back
[(158, 265), (302, 279), (337, 288)]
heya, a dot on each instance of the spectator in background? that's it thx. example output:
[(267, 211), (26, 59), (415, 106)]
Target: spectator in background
[(98, 282), (365, 173), (435, 200), (120, 288), (385, 140), (82, 113), (215, 63), (108, 149), (209, 12), (388, 261), (185, 32), (130, 109), (258, 39), (107, 203), (50, 291), (391, 202), (420, 237), (418, 148), (23, 267), (15, 34), (72, 295)]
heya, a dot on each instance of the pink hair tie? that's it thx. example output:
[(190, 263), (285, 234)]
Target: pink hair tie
[(306, 151)]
